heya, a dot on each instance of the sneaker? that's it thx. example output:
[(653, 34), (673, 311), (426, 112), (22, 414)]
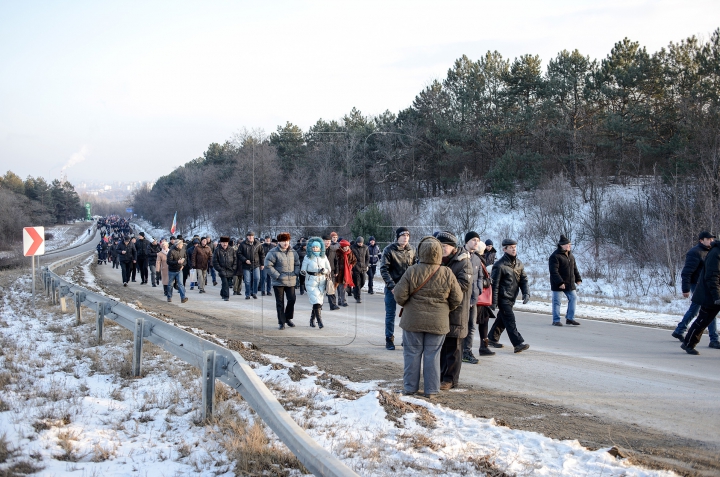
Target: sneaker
[(446, 385), (689, 350), (714, 344), (678, 336), (556, 323), (521, 347), (408, 393), (428, 396), (184, 300), (495, 344), (470, 358), (572, 322), (390, 344)]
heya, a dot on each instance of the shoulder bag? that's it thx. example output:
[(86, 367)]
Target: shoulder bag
[(421, 285)]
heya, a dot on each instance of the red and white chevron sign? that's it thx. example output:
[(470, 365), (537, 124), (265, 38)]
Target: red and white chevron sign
[(33, 241)]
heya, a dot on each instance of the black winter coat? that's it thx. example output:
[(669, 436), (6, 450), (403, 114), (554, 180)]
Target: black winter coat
[(462, 268), (394, 262), (173, 259), (374, 253), (363, 257), (331, 251), (694, 260), (250, 251), (153, 250), (508, 278), (708, 285), (563, 270), (142, 248), (224, 261), (489, 257), (129, 249)]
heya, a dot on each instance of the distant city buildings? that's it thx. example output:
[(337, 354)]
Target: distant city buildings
[(111, 191)]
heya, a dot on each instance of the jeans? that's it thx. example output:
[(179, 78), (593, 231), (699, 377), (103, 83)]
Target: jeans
[(468, 341), (201, 277), (252, 280), (284, 312), (175, 277), (690, 314), (153, 274), (506, 320), (341, 294), (212, 274), (265, 285), (705, 317), (557, 297), (422, 348), (451, 360), (371, 273), (390, 307)]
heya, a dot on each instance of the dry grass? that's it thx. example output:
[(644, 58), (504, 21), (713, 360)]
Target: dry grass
[(421, 441), (101, 452), (6, 451), (486, 464), (340, 389), (65, 441), (396, 408)]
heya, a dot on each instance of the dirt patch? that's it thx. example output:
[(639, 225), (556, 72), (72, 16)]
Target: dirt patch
[(396, 408), (641, 445)]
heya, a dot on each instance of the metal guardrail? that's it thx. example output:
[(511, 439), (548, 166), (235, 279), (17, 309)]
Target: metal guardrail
[(213, 360)]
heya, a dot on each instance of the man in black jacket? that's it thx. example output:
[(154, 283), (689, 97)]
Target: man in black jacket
[(126, 254), (177, 262), (330, 252), (374, 256), (707, 295), (694, 260), (224, 260), (396, 258), (141, 245), (564, 276), (508, 279), (153, 249), (358, 272), (251, 256)]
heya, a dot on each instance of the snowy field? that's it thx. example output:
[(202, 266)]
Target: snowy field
[(70, 407)]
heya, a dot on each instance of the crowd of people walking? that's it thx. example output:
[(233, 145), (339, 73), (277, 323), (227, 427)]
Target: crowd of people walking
[(443, 287)]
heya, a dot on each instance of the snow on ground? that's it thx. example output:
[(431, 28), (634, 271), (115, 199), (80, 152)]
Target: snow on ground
[(151, 231), (65, 236), (68, 404)]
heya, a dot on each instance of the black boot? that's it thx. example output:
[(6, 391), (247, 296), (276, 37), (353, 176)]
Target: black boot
[(484, 350), (312, 318), (319, 318)]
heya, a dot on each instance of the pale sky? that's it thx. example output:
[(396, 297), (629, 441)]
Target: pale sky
[(130, 90)]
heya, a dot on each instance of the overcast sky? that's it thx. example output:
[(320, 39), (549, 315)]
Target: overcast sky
[(130, 90)]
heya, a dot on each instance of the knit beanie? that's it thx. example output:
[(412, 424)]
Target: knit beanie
[(400, 231), (471, 235)]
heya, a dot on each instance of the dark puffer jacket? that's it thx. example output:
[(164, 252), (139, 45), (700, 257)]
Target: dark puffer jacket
[(508, 278), (461, 267), (694, 260), (394, 262), (708, 285), (153, 250), (563, 270), (129, 249), (362, 256), (173, 259), (141, 245), (224, 261), (253, 251), (428, 309)]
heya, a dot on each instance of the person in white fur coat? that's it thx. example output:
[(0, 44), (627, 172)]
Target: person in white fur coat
[(316, 269)]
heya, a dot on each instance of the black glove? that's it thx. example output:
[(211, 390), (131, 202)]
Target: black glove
[(526, 298)]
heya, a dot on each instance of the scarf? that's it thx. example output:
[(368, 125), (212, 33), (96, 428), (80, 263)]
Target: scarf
[(347, 270)]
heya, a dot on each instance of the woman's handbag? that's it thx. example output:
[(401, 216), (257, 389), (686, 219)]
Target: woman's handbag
[(418, 288), (330, 287), (485, 298)]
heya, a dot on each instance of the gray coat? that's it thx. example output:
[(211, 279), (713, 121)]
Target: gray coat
[(283, 266)]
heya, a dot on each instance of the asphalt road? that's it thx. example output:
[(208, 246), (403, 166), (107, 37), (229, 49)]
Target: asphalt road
[(635, 374)]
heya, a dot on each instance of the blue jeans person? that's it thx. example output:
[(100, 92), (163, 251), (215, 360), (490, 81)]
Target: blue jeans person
[(421, 348), (252, 280), (175, 277), (468, 341), (265, 284), (557, 298), (690, 315), (390, 307)]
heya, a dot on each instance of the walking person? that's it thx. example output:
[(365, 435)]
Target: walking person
[(126, 253), (489, 253), (362, 261), (475, 248), (176, 261), (265, 282), (396, 258), (162, 267), (133, 264), (201, 261), (152, 252), (224, 262), (564, 276), (141, 245), (429, 293), (283, 265), (251, 258), (374, 257), (508, 280), (691, 272), (344, 262), (331, 252), (707, 295), (458, 261), (316, 269)]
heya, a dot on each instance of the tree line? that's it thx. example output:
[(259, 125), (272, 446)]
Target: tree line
[(490, 126), (34, 202)]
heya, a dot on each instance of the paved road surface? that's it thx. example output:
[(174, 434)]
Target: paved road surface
[(629, 373)]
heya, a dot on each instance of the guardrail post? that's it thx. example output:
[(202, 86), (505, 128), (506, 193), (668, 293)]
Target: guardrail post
[(100, 321), (208, 384), (137, 351), (53, 284)]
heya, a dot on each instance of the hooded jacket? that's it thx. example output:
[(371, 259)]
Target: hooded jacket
[(316, 270), (428, 310)]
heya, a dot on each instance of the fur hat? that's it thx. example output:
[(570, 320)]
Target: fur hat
[(446, 238), (507, 242), (563, 240), (401, 230), (283, 237), (471, 235), (224, 239)]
